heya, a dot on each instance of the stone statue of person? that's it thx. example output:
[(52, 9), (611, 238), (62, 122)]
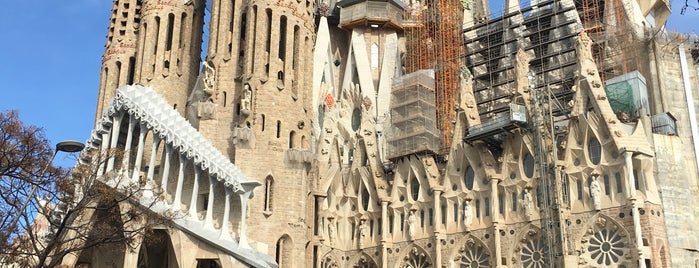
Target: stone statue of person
[(464, 77), (412, 221), (527, 202), (332, 230), (209, 81), (363, 232), (246, 100), (595, 191), (468, 214)]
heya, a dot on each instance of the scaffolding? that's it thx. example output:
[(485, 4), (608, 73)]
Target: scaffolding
[(413, 115), (615, 47), (434, 41), (546, 31)]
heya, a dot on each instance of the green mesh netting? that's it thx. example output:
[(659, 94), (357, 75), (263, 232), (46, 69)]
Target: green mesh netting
[(620, 97)]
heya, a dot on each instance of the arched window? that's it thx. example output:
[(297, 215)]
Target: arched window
[(282, 39), (269, 184), (528, 165), (594, 150), (469, 177), (284, 256), (262, 117), (365, 198), (414, 187), (356, 119), (225, 97), (279, 128), (292, 137), (170, 27)]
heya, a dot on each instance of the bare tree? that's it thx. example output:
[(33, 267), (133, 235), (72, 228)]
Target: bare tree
[(688, 6), (48, 213)]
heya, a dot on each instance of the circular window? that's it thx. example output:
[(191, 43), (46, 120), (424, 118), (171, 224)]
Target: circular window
[(528, 164), (606, 247), (469, 176), (474, 257), (594, 150), (533, 253), (356, 119)]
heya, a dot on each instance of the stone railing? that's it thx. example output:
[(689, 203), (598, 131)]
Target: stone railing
[(171, 160)]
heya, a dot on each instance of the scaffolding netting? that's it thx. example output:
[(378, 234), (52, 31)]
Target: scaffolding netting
[(413, 115)]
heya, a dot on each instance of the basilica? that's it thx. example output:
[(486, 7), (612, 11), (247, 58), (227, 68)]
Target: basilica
[(383, 133)]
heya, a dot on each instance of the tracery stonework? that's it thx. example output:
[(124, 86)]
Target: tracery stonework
[(605, 244)]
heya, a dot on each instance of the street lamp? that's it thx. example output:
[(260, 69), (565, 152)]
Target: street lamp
[(68, 146)]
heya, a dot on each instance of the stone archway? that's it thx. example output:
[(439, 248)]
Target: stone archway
[(328, 261), (363, 261), (157, 251), (284, 254)]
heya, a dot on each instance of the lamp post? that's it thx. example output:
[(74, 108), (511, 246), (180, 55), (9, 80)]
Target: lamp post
[(68, 146)]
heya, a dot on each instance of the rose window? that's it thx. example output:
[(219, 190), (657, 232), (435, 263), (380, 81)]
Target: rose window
[(606, 247), (474, 258), (533, 254)]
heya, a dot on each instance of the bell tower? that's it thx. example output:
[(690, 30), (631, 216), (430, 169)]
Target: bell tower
[(256, 109), (153, 43)]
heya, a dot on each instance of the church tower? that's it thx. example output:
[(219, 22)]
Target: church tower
[(254, 107), (153, 43)]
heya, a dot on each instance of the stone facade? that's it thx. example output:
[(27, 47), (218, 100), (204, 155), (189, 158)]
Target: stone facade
[(300, 96)]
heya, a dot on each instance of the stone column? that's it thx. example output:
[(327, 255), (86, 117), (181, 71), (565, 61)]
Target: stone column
[(148, 188), (103, 153), (225, 235), (384, 233), (437, 193), (634, 207), (177, 202), (496, 240), (209, 219), (127, 147), (116, 125), (139, 153), (243, 241), (166, 168), (495, 214), (195, 194)]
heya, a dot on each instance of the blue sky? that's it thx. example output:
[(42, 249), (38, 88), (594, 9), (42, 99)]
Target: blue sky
[(50, 55)]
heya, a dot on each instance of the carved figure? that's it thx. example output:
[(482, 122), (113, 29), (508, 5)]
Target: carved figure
[(332, 230), (467, 4), (464, 76), (246, 100), (412, 221), (468, 214), (362, 232), (209, 81), (595, 191), (527, 203)]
